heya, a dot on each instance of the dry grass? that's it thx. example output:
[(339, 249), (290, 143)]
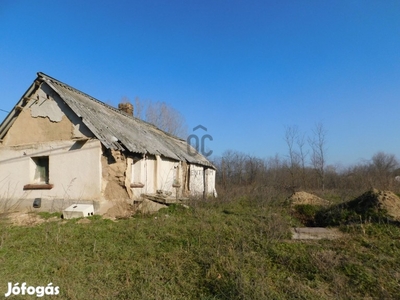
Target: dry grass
[(228, 248)]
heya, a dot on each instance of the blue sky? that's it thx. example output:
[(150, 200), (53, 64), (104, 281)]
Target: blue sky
[(243, 69)]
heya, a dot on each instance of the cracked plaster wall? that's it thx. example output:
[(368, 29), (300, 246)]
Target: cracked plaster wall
[(45, 118)]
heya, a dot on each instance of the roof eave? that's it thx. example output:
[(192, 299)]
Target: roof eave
[(13, 114)]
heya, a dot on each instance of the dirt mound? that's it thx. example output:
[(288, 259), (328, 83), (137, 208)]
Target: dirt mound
[(83, 221), (24, 219), (120, 210), (301, 198), (376, 200), (372, 206)]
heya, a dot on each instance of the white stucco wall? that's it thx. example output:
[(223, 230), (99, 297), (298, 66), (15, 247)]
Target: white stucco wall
[(167, 174), (74, 170), (150, 173), (210, 185), (138, 177), (196, 180), (201, 181), (156, 173)]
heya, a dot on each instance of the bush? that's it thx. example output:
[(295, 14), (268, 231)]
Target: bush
[(306, 213)]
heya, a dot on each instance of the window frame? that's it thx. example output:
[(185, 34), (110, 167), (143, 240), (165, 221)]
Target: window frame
[(137, 174), (39, 173)]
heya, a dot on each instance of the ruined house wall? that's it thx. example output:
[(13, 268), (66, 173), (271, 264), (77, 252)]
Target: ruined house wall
[(129, 176), (185, 192), (210, 182), (201, 181), (45, 118), (178, 178), (27, 129), (46, 127), (74, 170), (150, 166), (153, 173), (196, 180), (167, 174), (138, 181), (114, 167)]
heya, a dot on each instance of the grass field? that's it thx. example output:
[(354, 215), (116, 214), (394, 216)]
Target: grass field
[(221, 249)]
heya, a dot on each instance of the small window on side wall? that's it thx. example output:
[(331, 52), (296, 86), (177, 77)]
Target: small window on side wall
[(137, 181), (42, 169), (40, 174)]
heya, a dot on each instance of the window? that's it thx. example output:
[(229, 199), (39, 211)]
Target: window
[(39, 174), (137, 175), (42, 169)]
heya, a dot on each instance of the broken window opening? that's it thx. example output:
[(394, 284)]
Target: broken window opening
[(41, 175), (137, 180)]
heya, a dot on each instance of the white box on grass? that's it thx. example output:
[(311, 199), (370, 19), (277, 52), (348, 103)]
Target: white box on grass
[(78, 211)]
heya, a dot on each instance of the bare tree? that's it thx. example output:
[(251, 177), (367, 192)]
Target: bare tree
[(166, 118), (139, 108), (384, 162), (381, 167), (231, 168), (291, 135), (161, 115), (318, 147), (239, 169), (303, 153), (254, 168), (275, 173)]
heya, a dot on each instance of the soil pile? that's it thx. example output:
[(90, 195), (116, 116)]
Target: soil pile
[(301, 198), (376, 201), (24, 219), (373, 206), (120, 210)]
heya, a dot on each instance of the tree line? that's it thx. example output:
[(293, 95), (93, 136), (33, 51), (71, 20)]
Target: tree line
[(304, 167)]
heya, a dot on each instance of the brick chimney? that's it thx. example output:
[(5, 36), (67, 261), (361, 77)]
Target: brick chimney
[(126, 107)]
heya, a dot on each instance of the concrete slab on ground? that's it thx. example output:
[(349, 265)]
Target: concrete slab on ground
[(315, 233)]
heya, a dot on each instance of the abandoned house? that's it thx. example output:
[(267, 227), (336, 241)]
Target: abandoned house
[(63, 146)]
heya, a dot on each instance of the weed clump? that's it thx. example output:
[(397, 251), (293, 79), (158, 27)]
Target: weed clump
[(306, 213)]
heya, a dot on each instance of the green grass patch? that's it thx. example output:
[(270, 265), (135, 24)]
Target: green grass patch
[(48, 215), (236, 249)]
